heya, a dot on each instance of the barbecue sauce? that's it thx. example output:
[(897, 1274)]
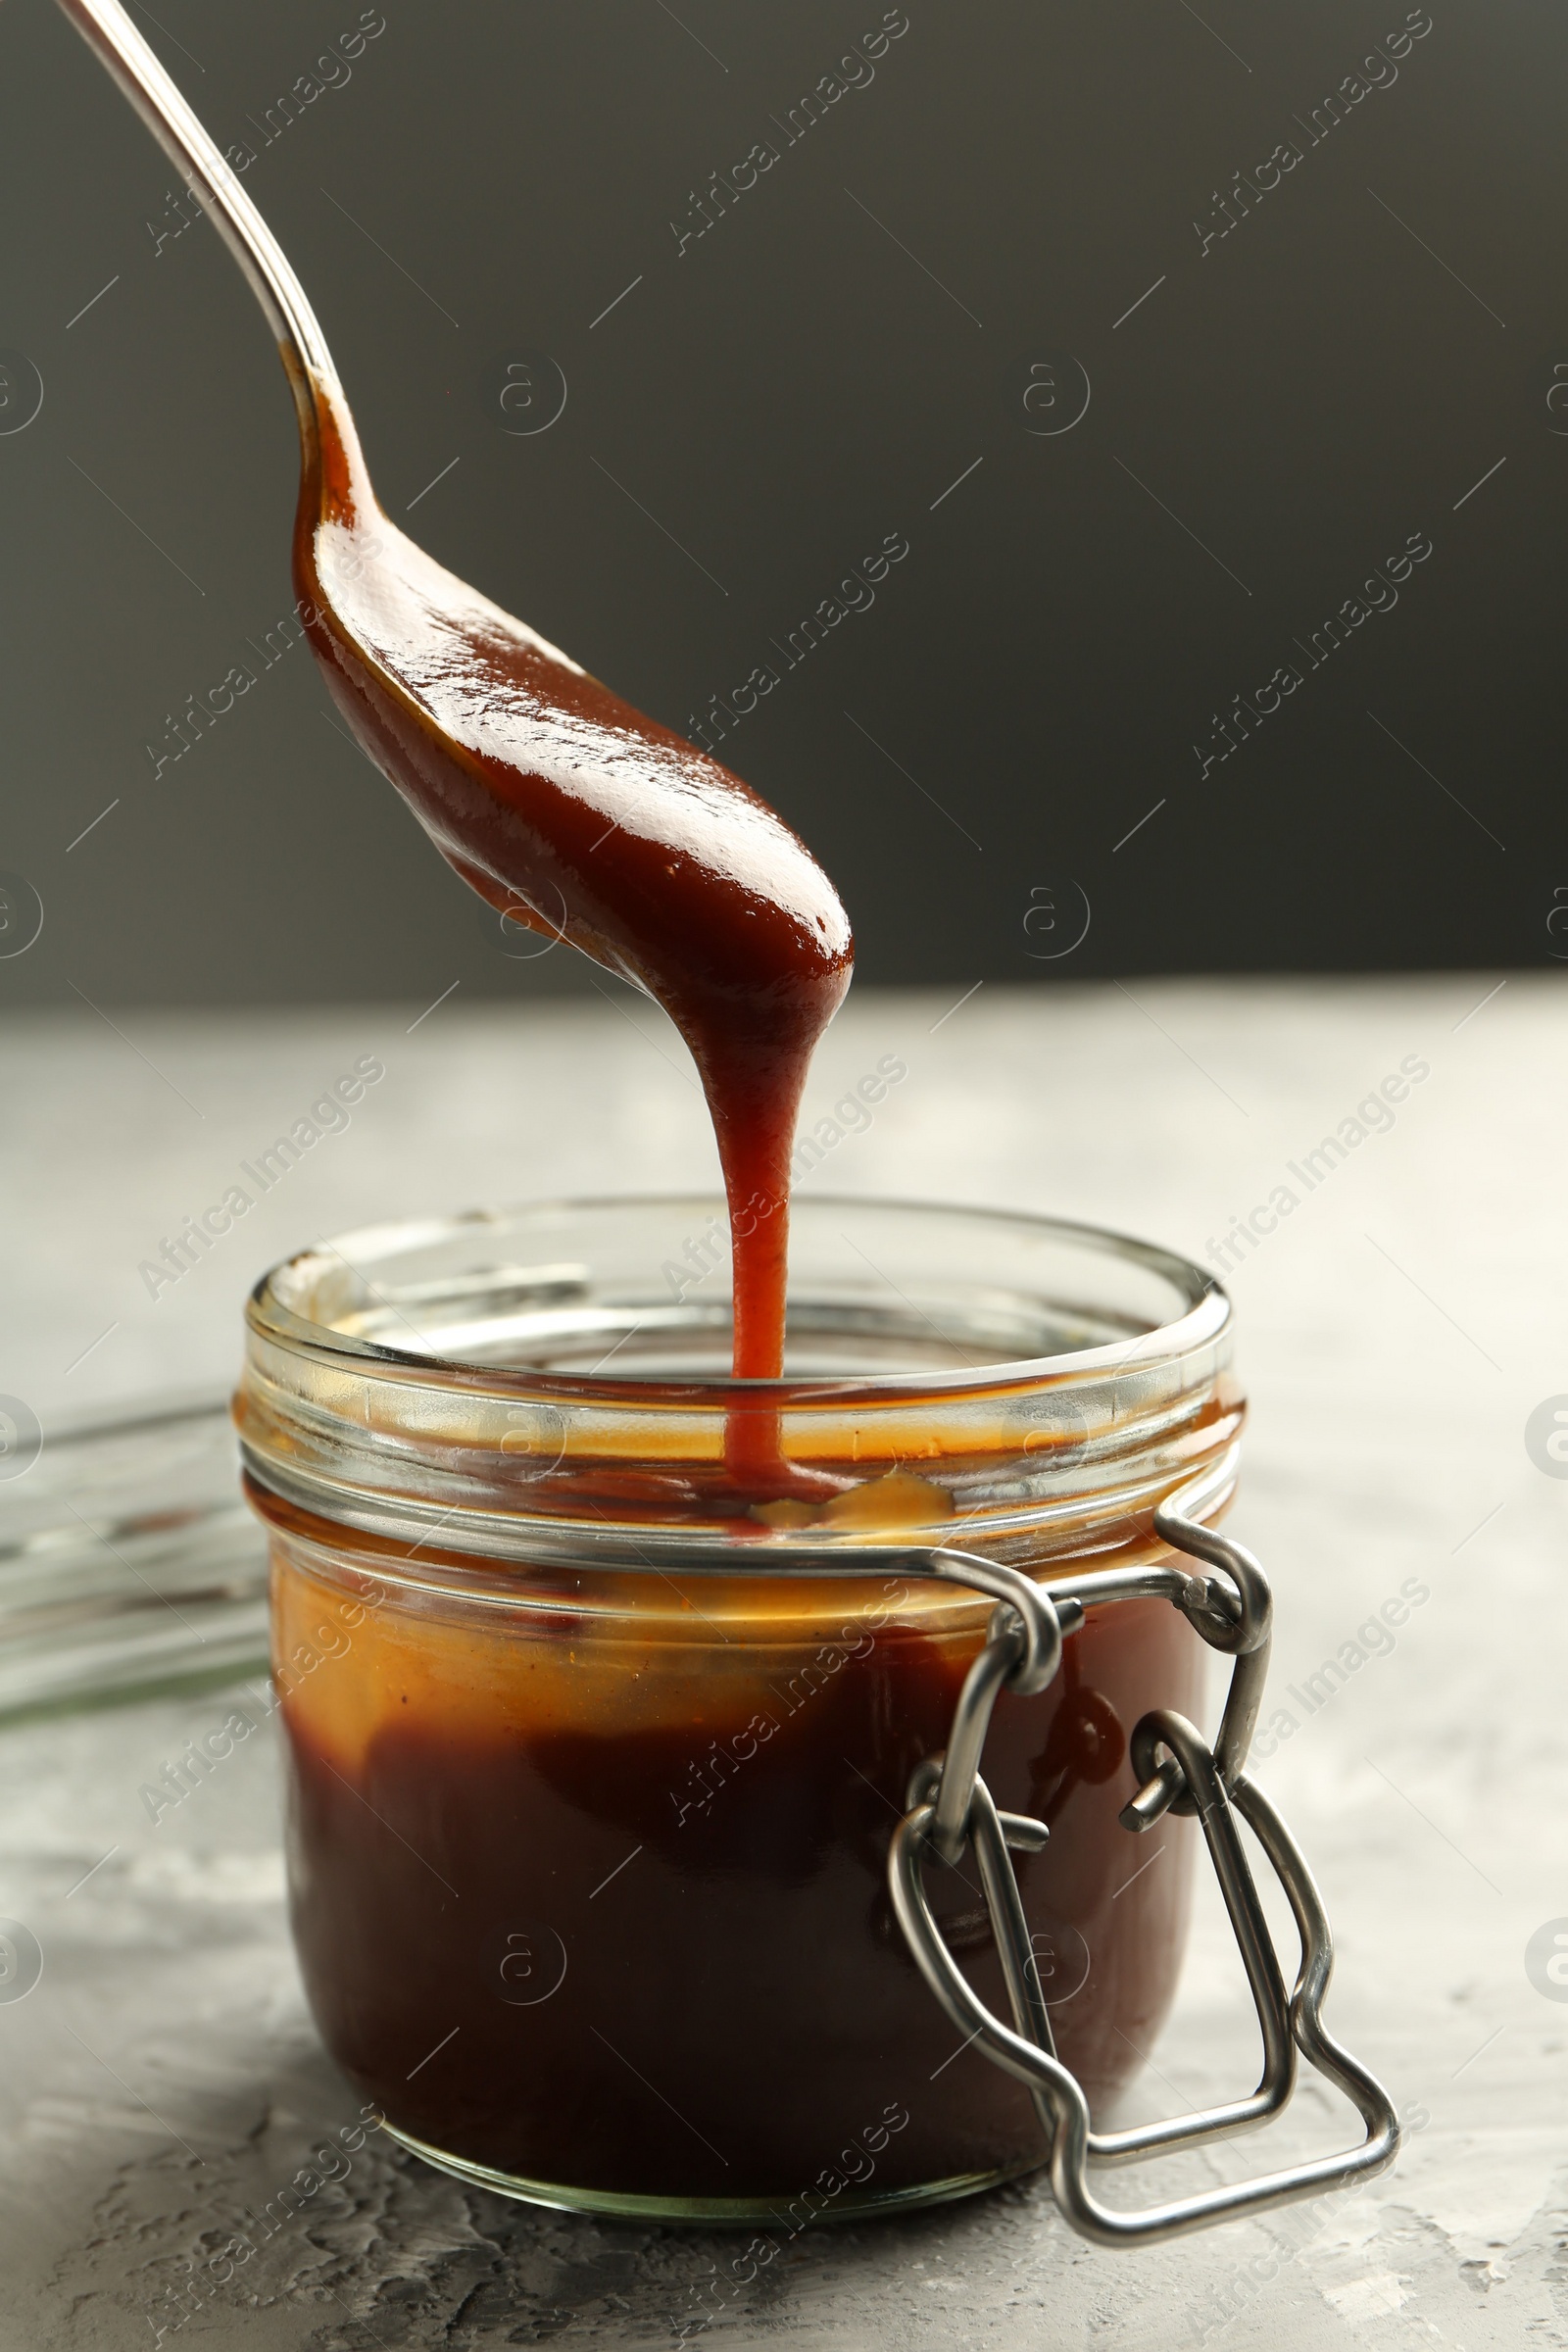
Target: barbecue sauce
[(591, 1904), (601, 1900), (569, 811)]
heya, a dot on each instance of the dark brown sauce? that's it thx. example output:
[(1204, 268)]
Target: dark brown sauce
[(569, 810), (564, 1907), (656, 1956)]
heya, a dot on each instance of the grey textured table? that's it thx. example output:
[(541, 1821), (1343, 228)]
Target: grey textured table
[(1398, 1328)]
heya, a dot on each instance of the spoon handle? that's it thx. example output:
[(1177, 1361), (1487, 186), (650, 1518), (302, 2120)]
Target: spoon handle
[(107, 29)]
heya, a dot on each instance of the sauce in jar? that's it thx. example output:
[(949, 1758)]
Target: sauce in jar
[(641, 1906), (590, 1802)]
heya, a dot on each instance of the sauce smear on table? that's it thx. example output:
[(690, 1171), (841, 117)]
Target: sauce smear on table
[(569, 811)]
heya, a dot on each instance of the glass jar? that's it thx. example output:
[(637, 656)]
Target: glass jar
[(128, 1564), (594, 1755)]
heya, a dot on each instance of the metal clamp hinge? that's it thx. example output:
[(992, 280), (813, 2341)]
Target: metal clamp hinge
[(951, 1807)]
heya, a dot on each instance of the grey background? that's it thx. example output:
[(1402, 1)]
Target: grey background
[(1267, 425)]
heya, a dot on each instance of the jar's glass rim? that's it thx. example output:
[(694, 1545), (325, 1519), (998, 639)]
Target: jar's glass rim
[(1206, 1315)]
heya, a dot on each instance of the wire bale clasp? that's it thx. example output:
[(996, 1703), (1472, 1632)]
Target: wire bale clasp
[(951, 1807)]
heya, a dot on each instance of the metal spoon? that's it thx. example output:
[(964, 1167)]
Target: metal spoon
[(562, 807)]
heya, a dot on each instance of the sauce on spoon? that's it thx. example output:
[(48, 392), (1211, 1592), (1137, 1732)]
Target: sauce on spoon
[(561, 804), (569, 810)]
